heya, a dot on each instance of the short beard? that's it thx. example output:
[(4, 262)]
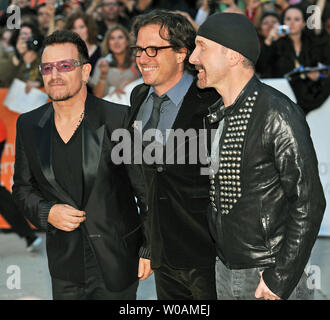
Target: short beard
[(67, 97), (60, 99)]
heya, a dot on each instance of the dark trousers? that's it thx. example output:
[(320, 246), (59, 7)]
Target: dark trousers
[(190, 284), (13, 216), (93, 288), (241, 284)]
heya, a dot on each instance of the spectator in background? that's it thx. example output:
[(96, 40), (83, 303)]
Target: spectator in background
[(71, 6), (84, 25), (110, 17), (281, 6), (21, 3), (59, 22), (46, 18), (9, 210), (118, 69), (208, 7), (297, 49), (267, 32), (23, 62), (140, 6), (5, 46), (267, 23), (327, 25)]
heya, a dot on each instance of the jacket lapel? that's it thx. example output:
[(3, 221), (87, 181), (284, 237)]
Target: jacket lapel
[(137, 97), (44, 139), (92, 142), (191, 105)]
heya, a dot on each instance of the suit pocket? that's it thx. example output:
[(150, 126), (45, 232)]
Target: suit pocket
[(133, 239)]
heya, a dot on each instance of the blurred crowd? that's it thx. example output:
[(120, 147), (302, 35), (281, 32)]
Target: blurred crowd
[(293, 35)]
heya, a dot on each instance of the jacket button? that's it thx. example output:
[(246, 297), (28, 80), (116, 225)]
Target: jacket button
[(160, 169)]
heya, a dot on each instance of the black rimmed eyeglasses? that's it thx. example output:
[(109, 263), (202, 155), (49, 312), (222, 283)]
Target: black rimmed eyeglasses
[(151, 51)]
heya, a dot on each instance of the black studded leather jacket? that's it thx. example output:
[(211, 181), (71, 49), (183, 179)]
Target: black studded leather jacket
[(266, 199)]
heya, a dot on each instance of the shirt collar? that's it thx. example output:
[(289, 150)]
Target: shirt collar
[(177, 93)]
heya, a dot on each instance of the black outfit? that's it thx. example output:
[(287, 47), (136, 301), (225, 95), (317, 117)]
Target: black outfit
[(113, 225), (94, 58), (178, 198), (266, 202), (279, 58), (11, 213)]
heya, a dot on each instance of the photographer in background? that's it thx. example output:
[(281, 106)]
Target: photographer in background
[(299, 48), (23, 62)]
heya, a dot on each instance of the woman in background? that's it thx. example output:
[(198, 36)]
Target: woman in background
[(117, 68), (84, 25), (267, 33), (297, 49)]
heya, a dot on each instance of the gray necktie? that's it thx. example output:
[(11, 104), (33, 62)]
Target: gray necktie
[(155, 114)]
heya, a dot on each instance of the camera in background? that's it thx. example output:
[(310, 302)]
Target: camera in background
[(283, 29)]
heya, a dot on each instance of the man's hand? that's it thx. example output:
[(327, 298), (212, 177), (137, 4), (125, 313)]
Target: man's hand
[(144, 269), (65, 217), (262, 291)]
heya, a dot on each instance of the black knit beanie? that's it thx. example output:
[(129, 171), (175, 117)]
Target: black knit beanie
[(234, 31)]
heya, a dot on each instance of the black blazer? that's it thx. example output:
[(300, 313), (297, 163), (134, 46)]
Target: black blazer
[(178, 193), (112, 223)]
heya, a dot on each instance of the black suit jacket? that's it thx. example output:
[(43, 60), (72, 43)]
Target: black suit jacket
[(112, 223), (178, 193)]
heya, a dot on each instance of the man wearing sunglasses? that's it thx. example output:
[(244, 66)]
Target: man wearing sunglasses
[(66, 183), (182, 252)]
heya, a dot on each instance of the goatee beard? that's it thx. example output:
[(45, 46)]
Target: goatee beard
[(60, 99), (67, 97)]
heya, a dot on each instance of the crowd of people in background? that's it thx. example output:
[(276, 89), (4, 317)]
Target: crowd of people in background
[(105, 26)]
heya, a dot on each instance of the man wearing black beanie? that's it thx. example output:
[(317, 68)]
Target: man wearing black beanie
[(266, 198)]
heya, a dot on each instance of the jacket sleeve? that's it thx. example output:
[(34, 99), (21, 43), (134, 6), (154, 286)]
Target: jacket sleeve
[(25, 190), (287, 135), (135, 173)]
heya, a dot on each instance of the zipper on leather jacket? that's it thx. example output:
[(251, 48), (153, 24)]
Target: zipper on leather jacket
[(265, 230)]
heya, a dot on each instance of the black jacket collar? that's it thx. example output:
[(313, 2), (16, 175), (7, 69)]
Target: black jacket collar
[(92, 136), (216, 114)]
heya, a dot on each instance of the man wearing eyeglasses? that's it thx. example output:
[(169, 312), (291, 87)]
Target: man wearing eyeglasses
[(66, 183), (182, 252)]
